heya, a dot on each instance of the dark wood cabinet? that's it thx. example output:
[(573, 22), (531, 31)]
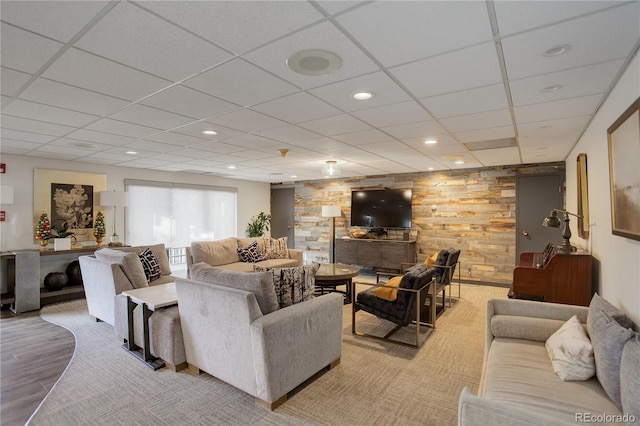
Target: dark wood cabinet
[(553, 276), (381, 254)]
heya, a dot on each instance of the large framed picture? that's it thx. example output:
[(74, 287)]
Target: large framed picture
[(624, 172)]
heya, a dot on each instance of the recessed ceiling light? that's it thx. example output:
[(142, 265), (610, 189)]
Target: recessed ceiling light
[(431, 142), (431, 168), (459, 162), (132, 152), (362, 96), (294, 176), (552, 88), (231, 167), (314, 62), (209, 132), (556, 51)]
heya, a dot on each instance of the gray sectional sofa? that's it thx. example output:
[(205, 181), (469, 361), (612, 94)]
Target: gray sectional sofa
[(518, 384)]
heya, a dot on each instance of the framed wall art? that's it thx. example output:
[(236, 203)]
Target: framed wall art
[(624, 172), (583, 196)]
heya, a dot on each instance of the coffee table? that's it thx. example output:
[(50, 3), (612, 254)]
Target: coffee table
[(331, 275), (151, 299)]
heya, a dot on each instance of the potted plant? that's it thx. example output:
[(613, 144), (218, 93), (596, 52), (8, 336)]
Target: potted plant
[(259, 225)]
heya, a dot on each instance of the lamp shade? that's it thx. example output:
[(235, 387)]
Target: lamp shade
[(331, 211), (6, 194), (114, 198), (552, 220)]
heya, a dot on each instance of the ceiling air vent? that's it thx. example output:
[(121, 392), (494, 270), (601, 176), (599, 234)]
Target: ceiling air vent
[(492, 144)]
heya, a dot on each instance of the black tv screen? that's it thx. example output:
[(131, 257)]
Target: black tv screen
[(385, 208)]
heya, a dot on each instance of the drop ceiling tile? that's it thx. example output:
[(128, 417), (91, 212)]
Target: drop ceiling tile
[(60, 20), (26, 136), (546, 157), (11, 146), (497, 157), (191, 153), (451, 72), (576, 82), (518, 16), (246, 120), (64, 96), (443, 139), (486, 134), (151, 117), (134, 37), (423, 129), (4, 101), (188, 102), (99, 137), (154, 147), (32, 110), (297, 108), (58, 151), (324, 36), (385, 91), (82, 146), (391, 115), (329, 126), (146, 163), (480, 99), (176, 139), (560, 129), (336, 6), (388, 149), (289, 134), (218, 148), (252, 141), (196, 129), (386, 29), (116, 127), (11, 81), (584, 105), (363, 137), (25, 51), (595, 38), (241, 83), (91, 72), (482, 120), (35, 126), (219, 22), (109, 157)]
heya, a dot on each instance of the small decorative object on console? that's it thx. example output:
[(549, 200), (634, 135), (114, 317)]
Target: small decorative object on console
[(55, 281)]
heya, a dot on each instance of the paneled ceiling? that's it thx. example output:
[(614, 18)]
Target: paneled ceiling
[(134, 83)]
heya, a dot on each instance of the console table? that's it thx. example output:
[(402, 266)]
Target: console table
[(381, 254)]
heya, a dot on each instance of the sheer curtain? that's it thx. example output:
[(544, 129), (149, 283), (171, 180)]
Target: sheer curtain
[(177, 214)]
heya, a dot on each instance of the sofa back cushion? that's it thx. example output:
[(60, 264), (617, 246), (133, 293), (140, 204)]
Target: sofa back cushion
[(158, 250), (219, 252), (260, 284), (630, 377), (128, 261)]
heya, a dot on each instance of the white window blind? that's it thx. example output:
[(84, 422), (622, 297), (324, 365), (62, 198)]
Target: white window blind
[(177, 214)]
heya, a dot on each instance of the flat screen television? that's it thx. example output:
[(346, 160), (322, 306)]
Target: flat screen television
[(384, 208)]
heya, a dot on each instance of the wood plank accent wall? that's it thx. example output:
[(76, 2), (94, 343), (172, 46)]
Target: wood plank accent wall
[(475, 212)]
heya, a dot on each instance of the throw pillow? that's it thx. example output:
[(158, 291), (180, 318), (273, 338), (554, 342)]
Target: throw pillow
[(431, 261), (150, 265), (571, 352), (599, 304), (390, 290), (275, 248), (292, 285), (251, 253), (260, 284), (630, 377), (608, 338)]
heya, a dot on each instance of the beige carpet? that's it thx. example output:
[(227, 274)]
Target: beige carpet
[(377, 383)]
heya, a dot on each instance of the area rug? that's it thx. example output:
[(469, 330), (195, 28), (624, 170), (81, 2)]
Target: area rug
[(376, 383)]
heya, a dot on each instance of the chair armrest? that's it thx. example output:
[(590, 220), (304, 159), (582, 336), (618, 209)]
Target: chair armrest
[(474, 410), (297, 255), (291, 344)]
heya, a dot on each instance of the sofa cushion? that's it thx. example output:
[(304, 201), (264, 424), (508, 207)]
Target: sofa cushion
[(630, 377), (219, 252), (571, 352), (599, 304), (150, 265), (128, 261), (251, 253), (275, 248), (608, 338), (260, 284), (292, 285)]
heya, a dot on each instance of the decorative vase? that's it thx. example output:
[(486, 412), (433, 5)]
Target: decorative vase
[(55, 281), (43, 245), (99, 241), (74, 274)]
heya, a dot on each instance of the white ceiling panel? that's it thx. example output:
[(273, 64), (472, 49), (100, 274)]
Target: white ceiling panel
[(336, 6), (584, 105), (247, 120), (36, 111), (209, 148), (451, 72), (156, 147), (11, 81), (61, 95), (564, 128), (467, 102), (134, 37), (482, 120), (99, 137), (363, 137), (424, 129), (35, 126), (497, 157), (486, 134), (329, 126), (391, 115), (188, 102), (219, 21), (273, 56), (15, 42), (297, 108), (241, 83), (18, 145), (151, 117), (26, 136), (121, 128), (289, 134), (91, 72), (176, 139)]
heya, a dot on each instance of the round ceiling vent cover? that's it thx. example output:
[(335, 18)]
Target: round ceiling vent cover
[(314, 62)]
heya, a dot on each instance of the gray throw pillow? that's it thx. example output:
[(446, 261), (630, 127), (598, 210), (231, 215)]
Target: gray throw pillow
[(630, 377), (260, 284), (608, 338), (599, 304)]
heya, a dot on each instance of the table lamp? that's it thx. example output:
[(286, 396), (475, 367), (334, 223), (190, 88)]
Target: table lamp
[(554, 222)]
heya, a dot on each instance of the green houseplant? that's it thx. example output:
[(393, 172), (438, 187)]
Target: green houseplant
[(259, 225)]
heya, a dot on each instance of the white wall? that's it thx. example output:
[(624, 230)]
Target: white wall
[(618, 275), (18, 229)]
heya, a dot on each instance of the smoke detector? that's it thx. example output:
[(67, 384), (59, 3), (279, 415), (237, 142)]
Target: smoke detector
[(314, 62)]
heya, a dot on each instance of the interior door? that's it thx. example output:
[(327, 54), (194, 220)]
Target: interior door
[(282, 214), (536, 196)]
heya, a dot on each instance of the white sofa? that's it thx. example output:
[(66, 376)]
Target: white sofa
[(518, 384), (244, 339)]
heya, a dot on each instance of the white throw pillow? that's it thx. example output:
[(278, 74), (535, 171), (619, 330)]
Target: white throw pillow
[(571, 352)]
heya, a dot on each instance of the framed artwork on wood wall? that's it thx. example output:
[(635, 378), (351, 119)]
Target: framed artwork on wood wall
[(624, 172)]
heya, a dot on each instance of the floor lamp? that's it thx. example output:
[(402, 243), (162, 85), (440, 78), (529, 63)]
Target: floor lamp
[(332, 212), (116, 199)]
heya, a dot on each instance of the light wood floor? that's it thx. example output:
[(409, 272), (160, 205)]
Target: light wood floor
[(33, 354)]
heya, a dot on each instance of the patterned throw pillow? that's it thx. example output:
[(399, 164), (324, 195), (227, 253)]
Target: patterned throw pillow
[(293, 285), (251, 253), (275, 248), (150, 265)]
